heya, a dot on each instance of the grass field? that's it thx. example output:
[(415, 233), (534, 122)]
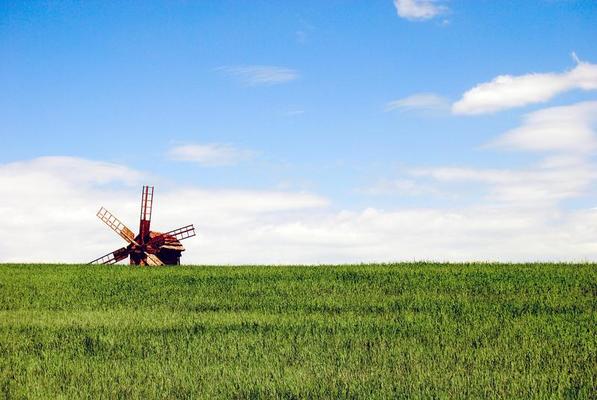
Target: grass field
[(365, 331)]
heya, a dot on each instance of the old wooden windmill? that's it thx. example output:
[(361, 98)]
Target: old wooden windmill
[(148, 247)]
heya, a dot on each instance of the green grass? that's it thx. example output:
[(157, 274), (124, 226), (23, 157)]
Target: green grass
[(365, 331)]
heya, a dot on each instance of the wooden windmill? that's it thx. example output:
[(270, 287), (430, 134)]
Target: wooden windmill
[(148, 247)]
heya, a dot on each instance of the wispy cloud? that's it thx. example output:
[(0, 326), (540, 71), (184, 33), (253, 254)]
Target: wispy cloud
[(418, 9), (74, 169), (211, 154), (566, 133), (543, 184), (562, 129), (255, 75), (401, 187), (419, 101), (507, 91)]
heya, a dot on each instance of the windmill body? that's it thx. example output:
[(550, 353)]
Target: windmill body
[(148, 247)]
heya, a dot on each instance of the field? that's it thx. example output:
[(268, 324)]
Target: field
[(365, 331)]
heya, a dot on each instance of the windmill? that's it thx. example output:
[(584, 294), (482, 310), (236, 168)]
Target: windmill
[(148, 247)]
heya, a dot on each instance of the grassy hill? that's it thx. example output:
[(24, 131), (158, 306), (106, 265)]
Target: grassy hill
[(364, 331)]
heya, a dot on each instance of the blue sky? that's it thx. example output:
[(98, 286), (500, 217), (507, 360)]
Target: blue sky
[(366, 106)]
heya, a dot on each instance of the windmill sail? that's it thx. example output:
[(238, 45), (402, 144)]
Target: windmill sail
[(148, 248), (113, 257), (115, 224), (179, 234), (146, 208)]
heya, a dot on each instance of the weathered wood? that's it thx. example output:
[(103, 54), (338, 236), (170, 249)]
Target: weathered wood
[(148, 247)]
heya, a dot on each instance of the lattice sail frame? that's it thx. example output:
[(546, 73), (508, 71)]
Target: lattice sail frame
[(145, 217), (113, 257), (115, 224), (180, 234), (147, 246)]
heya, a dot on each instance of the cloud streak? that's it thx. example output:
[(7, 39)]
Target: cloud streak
[(419, 101), (507, 91), (418, 10), (211, 155), (544, 184), (401, 187), (260, 75), (566, 133), (556, 129)]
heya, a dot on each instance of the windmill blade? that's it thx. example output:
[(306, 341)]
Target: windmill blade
[(180, 234), (115, 224), (113, 257), (152, 259), (146, 207)]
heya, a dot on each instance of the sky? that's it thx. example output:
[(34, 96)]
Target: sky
[(337, 131)]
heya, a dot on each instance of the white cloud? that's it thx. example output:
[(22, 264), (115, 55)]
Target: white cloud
[(42, 171), (49, 215), (507, 91), (49, 206), (483, 233), (401, 187), (418, 9), (562, 129), (545, 183), (255, 75), (567, 132), (212, 154), (419, 101)]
